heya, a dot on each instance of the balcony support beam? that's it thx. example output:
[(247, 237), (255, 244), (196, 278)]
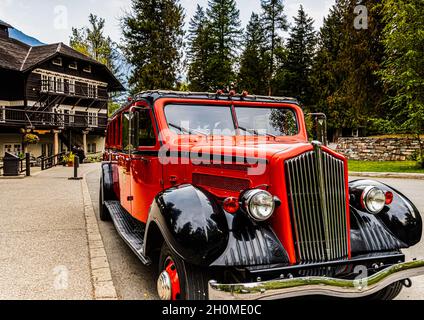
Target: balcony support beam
[(56, 141), (84, 141)]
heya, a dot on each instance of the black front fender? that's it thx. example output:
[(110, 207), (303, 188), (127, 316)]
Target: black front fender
[(191, 222), (398, 226)]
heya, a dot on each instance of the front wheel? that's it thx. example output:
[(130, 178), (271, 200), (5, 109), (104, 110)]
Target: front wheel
[(179, 280), (388, 293), (103, 210)]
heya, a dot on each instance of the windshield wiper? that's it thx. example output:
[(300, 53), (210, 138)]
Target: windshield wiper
[(256, 133), (182, 129), (249, 130)]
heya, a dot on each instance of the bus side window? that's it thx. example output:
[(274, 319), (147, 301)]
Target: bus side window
[(126, 146), (144, 134)]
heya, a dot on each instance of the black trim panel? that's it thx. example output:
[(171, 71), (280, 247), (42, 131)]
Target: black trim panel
[(251, 244), (191, 222), (330, 268)]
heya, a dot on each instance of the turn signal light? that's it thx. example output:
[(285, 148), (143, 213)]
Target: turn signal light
[(389, 197), (231, 205)]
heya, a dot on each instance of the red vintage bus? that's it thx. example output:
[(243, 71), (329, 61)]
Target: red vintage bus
[(227, 195)]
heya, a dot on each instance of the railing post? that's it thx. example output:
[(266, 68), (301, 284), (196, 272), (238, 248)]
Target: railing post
[(42, 164), (28, 164)]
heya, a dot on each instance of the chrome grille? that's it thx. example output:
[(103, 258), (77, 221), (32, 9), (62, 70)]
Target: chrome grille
[(317, 196)]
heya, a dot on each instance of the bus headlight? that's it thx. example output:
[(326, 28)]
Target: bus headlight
[(373, 199), (259, 204)]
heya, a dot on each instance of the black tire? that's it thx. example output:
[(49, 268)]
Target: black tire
[(103, 211), (388, 293), (193, 280)]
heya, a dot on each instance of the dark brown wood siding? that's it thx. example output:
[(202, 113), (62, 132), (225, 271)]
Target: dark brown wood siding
[(11, 85), (33, 80), (96, 73)]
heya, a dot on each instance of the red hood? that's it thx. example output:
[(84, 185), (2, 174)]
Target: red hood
[(248, 148)]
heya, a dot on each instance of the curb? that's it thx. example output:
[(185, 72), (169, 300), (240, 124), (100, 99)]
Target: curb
[(414, 176), (101, 276), (20, 177)]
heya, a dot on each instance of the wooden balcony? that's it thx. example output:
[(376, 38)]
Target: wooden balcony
[(52, 120), (67, 89)]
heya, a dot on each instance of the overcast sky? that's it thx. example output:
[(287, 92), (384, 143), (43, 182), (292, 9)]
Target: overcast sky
[(51, 21)]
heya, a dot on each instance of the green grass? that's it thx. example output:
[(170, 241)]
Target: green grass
[(386, 166)]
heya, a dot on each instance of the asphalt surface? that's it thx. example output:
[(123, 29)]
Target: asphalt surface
[(43, 238), (133, 281), (414, 190)]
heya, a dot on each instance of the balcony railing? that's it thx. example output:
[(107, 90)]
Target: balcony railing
[(71, 89), (53, 119)]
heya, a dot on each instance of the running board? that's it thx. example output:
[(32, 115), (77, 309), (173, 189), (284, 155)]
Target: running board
[(131, 230)]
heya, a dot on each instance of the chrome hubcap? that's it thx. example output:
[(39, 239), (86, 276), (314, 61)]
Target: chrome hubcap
[(164, 286)]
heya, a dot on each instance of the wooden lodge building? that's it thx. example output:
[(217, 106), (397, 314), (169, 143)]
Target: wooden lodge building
[(53, 92)]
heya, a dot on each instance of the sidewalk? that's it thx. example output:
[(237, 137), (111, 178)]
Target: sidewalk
[(43, 237)]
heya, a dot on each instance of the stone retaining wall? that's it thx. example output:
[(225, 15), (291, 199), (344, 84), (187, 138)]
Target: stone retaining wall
[(378, 149)]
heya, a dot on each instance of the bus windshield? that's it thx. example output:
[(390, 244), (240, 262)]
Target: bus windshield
[(219, 120)]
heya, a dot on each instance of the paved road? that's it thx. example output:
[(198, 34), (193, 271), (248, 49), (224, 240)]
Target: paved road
[(134, 281)]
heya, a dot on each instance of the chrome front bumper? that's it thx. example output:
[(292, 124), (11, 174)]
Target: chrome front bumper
[(297, 287)]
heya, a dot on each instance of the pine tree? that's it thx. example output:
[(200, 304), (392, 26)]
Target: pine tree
[(326, 74), (253, 74), (348, 88), (403, 68), (273, 21), (92, 42), (224, 31), (199, 51), (153, 38), (300, 55)]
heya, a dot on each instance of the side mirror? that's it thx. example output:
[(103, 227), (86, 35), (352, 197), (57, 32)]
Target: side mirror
[(317, 127)]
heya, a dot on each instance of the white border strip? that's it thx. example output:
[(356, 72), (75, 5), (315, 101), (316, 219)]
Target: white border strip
[(66, 76), (101, 276)]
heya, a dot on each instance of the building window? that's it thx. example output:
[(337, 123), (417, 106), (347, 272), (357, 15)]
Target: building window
[(71, 86), (44, 83), (73, 66), (13, 148), (71, 116), (2, 114), (92, 119), (51, 82), (91, 148), (92, 91), (87, 69), (57, 62), (60, 88)]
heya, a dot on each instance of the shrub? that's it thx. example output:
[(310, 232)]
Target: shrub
[(30, 138), (94, 158)]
